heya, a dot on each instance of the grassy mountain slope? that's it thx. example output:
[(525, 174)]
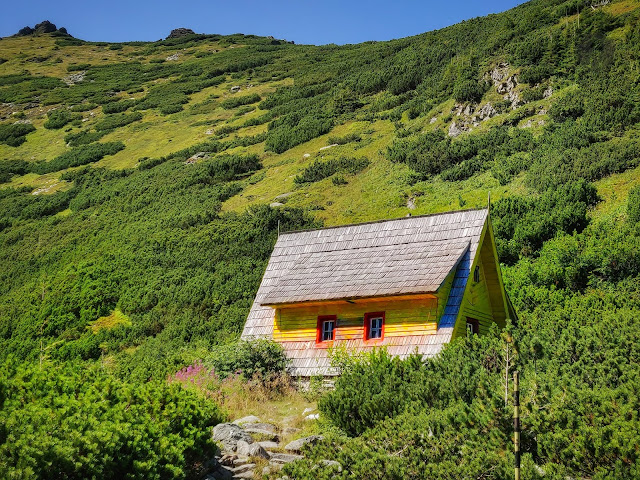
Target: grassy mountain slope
[(141, 192)]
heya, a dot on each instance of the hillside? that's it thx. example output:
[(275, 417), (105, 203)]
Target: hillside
[(142, 186)]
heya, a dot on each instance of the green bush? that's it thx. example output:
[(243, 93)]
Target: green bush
[(15, 134), (233, 102), (58, 119), (84, 137), (633, 205), (118, 107), (81, 155), (248, 358), (320, 170), (8, 168), (76, 421), (110, 122)]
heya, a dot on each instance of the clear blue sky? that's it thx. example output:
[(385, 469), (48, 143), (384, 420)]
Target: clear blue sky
[(304, 21)]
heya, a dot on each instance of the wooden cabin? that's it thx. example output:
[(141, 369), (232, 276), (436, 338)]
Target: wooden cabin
[(410, 285)]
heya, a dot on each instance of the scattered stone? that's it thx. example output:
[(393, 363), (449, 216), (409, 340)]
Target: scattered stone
[(529, 124), (229, 434), (254, 450), (249, 419), (469, 109), (486, 112), (308, 410), (331, 463), (290, 430), (433, 120), (74, 78), (328, 146), (282, 196), (297, 445), (172, 58), (411, 203), (243, 468), (499, 73), (194, 158), (508, 85), (209, 132), (248, 474), (455, 129), (235, 89), (313, 416), (180, 32), (220, 474), (306, 155), (228, 460), (276, 204), (267, 444), (542, 111), (282, 458), (548, 92), (262, 427), (515, 100)]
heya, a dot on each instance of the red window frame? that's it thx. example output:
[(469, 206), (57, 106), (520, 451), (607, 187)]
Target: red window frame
[(367, 326), (319, 329)]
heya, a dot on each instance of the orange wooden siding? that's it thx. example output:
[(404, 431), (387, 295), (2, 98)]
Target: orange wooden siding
[(414, 316)]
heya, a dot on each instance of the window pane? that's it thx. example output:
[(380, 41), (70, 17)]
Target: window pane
[(375, 328), (327, 330)]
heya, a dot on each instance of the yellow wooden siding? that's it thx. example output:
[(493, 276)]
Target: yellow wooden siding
[(402, 317), (483, 300)]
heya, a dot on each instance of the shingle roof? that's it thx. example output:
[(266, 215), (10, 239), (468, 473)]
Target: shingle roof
[(403, 256)]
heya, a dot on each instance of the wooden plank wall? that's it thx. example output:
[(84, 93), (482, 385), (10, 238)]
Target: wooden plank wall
[(402, 317)]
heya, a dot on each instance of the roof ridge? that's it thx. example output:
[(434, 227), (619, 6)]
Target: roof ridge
[(385, 220)]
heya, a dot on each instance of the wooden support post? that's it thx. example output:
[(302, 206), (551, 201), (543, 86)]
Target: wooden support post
[(516, 423)]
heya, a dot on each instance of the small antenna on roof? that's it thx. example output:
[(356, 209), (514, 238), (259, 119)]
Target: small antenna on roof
[(278, 228)]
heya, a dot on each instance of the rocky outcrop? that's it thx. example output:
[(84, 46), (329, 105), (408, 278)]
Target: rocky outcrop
[(45, 27), (508, 85), (456, 129), (180, 32), (241, 453), (41, 28), (229, 434)]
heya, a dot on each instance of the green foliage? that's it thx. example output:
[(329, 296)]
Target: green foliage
[(320, 170), (15, 134), (8, 168), (291, 130), (260, 357), (110, 122), (523, 224), (633, 205), (76, 421), (83, 138), (236, 101), (58, 119), (118, 107), (77, 156)]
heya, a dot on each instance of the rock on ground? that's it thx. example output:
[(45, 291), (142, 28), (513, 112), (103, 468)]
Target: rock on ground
[(297, 445), (254, 450), (249, 419), (229, 434)]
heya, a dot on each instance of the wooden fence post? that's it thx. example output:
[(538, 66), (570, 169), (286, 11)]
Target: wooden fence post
[(516, 423)]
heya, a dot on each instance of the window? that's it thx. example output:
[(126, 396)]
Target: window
[(472, 326), (476, 274), (326, 328), (374, 326)]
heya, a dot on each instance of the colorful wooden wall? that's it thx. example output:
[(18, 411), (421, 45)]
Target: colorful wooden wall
[(410, 316)]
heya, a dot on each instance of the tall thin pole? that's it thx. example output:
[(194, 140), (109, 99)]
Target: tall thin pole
[(516, 422)]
